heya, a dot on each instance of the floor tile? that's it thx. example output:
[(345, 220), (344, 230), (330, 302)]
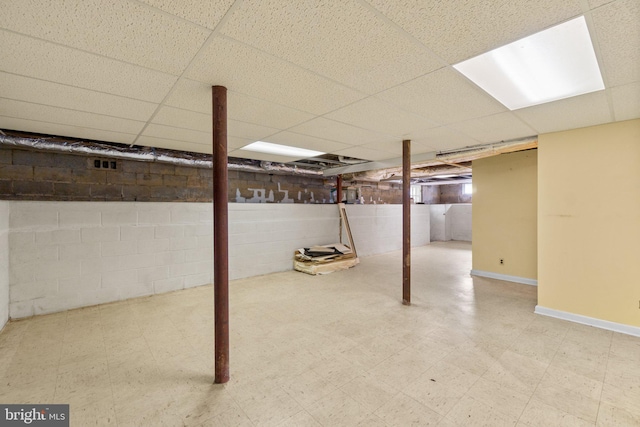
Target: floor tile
[(516, 372), (538, 414), (329, 350), (403, 410), (338, 409), (615, 416), (502, 399), (369, 391), (471, 412)]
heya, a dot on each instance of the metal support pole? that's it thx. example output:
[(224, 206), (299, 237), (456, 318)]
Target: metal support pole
[(220, 235), (339, 199), (406, 222)]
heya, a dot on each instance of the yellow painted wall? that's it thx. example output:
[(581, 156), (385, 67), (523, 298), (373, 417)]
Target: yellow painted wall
[(504, 214), (589, 221)]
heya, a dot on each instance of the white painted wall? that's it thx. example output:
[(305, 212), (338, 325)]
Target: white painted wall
[(378, 228), (459, 216), (263, 237), (4, 263), (450, 222), (437, 224), (65, 255)]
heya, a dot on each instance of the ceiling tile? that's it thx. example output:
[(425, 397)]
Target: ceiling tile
[(306, 141), (58, 95), (443, 138), (196, 96), (170, 144), (177, 134), (124, 30), (234, 142), (459, 29), (249, 130), (47, 61), (617, 27), (64, 130), (336, 131), (379, 116), (626, 101), (26, 110), (394, 148), (205, 13), (93, 66), (180, 118), (243, 69), (571, 113), (365, 153), (253, 110), (350, 43), (495, 128), (191, 95), (444, 96), (597, 3), (183, 122)]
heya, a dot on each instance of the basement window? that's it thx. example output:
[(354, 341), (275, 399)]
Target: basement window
[(416, 193), (105, 164), (467, 189)]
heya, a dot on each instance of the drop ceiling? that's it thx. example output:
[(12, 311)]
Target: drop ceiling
[(351, 78)]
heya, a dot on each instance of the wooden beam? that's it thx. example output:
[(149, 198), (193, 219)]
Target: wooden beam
[(455, 165)]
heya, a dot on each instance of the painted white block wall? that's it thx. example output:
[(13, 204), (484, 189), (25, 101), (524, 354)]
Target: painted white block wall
[(263, 237), (72, 254), (450, 222), (437, 225), (65, 255), (4, 263), (378, 228), (459, 216)]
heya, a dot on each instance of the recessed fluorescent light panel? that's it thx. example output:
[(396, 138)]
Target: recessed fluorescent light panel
[(553, 64), (282, 150)]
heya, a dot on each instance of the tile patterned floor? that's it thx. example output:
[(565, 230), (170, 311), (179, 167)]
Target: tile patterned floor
[(335, 350)]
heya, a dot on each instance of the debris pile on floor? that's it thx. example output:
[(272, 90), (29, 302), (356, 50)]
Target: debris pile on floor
[(324, 259)]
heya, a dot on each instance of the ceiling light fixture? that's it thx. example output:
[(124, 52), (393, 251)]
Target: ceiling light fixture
[(282, 150), (553, 64)]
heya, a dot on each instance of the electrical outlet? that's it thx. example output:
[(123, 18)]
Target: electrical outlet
[(501, 261)]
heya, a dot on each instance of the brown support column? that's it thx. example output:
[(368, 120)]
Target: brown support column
[(339, 197), (220, 235), (406, 222)]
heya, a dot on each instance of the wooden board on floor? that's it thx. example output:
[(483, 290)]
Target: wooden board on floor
[(347, 258)]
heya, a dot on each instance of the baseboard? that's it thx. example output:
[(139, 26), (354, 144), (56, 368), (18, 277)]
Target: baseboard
[(586, 320), (516, 279)]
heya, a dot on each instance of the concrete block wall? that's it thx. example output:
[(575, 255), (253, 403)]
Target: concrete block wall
[(263, 238), (65, 255), (29, 174), (445, 194), (451, 222), (378, 228), (459, 216), (4, 263), (72, 254)]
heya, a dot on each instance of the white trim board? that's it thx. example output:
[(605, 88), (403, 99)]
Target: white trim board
[(590, 321), (516, 279)]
